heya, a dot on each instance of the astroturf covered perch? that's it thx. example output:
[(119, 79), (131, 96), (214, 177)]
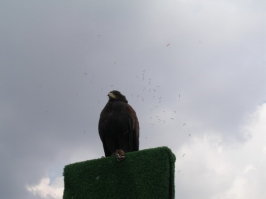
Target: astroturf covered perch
[(143, 174)]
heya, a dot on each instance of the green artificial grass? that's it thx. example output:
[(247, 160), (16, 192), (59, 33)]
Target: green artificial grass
[(143, 174)]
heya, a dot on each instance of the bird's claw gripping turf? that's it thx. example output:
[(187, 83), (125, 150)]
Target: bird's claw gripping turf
[(119, 154), (119, 157)]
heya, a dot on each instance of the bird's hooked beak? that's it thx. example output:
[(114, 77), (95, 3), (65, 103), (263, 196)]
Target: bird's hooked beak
[(111, 95)]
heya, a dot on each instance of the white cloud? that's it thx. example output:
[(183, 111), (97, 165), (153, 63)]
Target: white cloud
[(45, 189), (214, 169)]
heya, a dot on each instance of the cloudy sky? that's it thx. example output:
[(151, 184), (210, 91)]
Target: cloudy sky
[(193, 70)]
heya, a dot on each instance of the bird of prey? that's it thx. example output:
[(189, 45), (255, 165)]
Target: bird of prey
[(118, 126)]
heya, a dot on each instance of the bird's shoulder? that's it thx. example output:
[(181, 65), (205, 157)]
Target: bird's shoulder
[(118, 108), (123, 108)]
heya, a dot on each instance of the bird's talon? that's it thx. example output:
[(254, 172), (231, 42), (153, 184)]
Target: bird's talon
[(120, 157)]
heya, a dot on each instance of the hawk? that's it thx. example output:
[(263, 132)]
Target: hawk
[(118, 126)]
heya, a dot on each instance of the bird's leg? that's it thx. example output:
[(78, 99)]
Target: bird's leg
[(120, 154)]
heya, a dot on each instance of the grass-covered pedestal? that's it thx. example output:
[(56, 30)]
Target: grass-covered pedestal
[(144, 174)]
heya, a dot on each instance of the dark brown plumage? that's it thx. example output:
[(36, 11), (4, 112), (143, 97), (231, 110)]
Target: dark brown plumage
[(118, 126)]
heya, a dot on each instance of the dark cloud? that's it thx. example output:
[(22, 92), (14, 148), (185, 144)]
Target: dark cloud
[(59, 60)]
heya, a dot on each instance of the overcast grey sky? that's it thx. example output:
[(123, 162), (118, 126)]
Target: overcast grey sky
[(193, 70)]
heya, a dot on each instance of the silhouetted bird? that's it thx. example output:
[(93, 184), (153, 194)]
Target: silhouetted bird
[(118, 126)]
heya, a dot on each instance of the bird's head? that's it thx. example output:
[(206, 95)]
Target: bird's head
[(117, 96)]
